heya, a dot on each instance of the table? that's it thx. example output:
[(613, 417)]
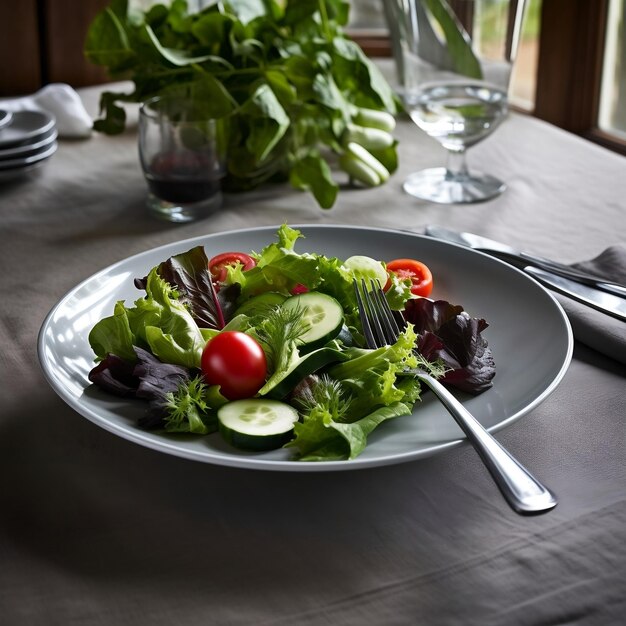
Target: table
[(96, 530)]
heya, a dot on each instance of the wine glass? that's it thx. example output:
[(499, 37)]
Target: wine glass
[(456, 63)]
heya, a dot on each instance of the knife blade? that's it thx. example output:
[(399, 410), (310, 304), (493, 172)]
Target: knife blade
[(599, 300), (522, 259), (607, 302)]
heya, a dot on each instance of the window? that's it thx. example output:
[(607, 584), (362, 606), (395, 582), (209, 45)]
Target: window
[(524, 79), (612, 109)]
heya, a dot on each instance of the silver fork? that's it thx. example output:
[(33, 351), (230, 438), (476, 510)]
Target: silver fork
[(524, 493)]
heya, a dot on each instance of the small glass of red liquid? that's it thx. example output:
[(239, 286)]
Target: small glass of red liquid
[(181, 158)]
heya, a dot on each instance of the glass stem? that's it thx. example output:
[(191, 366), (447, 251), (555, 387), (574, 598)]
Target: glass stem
[(456, 166)]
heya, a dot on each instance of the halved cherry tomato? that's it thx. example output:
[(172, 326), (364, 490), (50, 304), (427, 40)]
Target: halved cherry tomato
[(419, 274), (219, 263), (236, 362)]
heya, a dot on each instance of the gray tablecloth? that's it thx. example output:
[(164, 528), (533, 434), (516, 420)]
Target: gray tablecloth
[(97, 530)]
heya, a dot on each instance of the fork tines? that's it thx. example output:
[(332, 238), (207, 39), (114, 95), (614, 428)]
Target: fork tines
[(380, 326)]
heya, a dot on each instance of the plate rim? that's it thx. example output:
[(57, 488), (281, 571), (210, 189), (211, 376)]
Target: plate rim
[(48, 137), (16, 164), (49, 123), (252, 463)]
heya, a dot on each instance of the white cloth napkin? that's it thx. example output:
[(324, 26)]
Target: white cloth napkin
[(597, 330), (72, 119)]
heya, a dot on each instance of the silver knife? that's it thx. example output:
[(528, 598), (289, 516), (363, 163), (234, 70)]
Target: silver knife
[(599, 300), (521, 259), (610, 302)]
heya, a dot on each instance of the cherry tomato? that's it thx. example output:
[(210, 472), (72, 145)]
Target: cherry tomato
[(236, 362), (419, 274), (219, 263), (298, 289)]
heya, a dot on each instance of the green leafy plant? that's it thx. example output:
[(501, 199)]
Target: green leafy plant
[(292, 91)]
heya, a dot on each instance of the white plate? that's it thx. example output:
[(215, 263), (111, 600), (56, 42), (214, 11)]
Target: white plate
[(528, 332), (25, 126), (40, 142), (39, 155)]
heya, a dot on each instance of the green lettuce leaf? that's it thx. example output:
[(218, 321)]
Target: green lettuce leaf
[(399, 292), (370, 375), (321, 438), (279, 267), (112, 335), (166, 325), (364, 391), (159, 322)]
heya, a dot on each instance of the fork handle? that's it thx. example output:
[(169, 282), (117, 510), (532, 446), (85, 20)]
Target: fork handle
[(524, 493)]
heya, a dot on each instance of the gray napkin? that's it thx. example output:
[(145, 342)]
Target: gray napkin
[(597, 330)]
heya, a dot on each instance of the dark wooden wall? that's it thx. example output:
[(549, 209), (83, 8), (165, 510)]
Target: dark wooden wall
[(41, 41)]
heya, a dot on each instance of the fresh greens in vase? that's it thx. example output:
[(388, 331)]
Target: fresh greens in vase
[(296, 96)]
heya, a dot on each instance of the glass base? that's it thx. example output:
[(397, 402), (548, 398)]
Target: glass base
[(182, 213), (439, 185)]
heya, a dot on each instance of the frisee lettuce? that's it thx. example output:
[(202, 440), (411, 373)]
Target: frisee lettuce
[(341, 410), (192, 408), (370, 375), (278, 268), (320, 438)]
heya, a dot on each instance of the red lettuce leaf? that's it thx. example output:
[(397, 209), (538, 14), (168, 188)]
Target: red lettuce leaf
[(115, 375), (448, 333), (189, 274), (156, 379), (148, 379)]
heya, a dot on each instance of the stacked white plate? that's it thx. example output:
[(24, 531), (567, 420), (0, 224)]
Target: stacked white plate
[(27, 140)]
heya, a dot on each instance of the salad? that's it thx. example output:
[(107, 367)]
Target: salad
[(268, 350)]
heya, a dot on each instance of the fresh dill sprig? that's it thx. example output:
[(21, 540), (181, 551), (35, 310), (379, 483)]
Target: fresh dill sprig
[(277, 329), (437, 368)]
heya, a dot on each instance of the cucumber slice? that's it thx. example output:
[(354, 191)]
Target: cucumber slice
[(256, 303), (256, 424), (322, 314), (366, 267), (306, 365)]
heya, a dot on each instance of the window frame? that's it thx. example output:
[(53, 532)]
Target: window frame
[(569, 73)]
